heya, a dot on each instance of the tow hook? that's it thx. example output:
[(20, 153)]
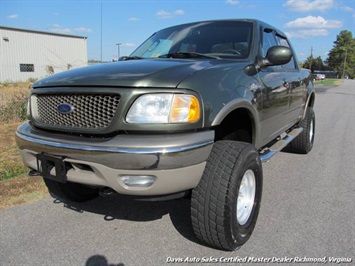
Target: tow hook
[(33, 173), (106, 192)]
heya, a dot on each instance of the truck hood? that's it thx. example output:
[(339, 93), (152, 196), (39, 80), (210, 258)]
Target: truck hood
[(167, 73)]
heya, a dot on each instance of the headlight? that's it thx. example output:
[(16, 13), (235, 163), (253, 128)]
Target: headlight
[(164, 108)]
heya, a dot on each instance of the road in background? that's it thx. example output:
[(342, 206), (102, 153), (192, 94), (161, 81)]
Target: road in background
[(307, 211)]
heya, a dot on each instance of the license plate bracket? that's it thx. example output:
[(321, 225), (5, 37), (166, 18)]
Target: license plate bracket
[(48, 162)]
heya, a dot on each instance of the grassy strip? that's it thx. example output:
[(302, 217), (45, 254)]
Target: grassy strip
[(23, 189), (329, 82), (15, 186), (13, 105), (10, 161)]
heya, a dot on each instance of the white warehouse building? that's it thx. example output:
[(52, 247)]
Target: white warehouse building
[(30, 54)]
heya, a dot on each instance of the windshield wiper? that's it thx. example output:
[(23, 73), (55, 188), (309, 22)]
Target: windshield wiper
[(125, 58), (187, 55)]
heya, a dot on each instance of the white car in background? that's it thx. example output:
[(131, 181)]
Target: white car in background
[(320, 76)]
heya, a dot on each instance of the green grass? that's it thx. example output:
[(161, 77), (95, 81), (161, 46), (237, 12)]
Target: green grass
[(328, 82), (12, 171)]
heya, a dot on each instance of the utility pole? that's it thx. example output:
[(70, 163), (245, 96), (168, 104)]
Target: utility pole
[(346, 52), (118, 50), (311, 59)]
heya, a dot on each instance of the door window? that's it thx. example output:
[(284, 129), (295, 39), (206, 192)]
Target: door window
[(290, 65), (269, 41)]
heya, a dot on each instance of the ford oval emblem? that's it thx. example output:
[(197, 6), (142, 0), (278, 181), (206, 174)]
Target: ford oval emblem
[(65, 108)]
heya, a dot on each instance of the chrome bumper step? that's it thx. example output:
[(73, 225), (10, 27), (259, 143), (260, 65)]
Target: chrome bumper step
[(285, 139)]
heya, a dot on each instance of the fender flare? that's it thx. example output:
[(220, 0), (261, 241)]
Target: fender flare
[(240, 104), (309, 103)]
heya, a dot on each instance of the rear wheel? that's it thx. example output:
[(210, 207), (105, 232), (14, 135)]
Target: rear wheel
[(303, 143), (226, 202), (71, 191)]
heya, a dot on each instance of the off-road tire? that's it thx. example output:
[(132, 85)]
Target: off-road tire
[(214, 200), (303, 143), (70, 191)]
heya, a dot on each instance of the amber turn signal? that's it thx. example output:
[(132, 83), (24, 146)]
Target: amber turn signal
[(185, 108)]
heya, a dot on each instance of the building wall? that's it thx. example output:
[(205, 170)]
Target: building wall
[(48, 53)]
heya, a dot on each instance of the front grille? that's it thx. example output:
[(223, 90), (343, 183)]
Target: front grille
[(89, 111)]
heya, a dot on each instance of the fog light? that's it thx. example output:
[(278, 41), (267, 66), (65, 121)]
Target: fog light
[(138, 180)]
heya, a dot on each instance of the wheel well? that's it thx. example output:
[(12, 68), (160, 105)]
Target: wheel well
[(311, 101), (236, 126)]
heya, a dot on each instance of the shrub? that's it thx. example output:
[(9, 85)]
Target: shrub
[(14, 111), (32, 80), (13, 103)]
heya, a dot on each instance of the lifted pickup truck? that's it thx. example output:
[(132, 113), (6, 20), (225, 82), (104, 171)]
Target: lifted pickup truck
[(193, 111)]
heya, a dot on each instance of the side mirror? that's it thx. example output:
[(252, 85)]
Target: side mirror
[(277, 55)]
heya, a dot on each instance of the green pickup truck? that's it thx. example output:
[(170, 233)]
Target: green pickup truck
[(193, 111)]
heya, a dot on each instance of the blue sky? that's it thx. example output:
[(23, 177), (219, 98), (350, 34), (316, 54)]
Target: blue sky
[(308, 23)]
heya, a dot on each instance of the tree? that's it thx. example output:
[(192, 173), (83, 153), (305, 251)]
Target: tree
[(341, 57), (317, 63)]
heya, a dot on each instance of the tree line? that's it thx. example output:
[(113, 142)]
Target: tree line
[(341, 57)]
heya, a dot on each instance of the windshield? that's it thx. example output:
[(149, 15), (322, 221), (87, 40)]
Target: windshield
[(226, 39)]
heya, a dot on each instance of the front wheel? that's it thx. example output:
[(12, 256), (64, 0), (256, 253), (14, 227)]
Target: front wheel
[(226, 202)]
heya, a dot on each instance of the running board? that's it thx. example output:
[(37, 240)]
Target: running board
[(267, 153)]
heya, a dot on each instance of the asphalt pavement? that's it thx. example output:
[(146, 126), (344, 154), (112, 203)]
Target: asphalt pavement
[(307, 213)]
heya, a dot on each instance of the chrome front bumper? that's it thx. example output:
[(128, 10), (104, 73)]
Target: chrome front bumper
[(177, 160)]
